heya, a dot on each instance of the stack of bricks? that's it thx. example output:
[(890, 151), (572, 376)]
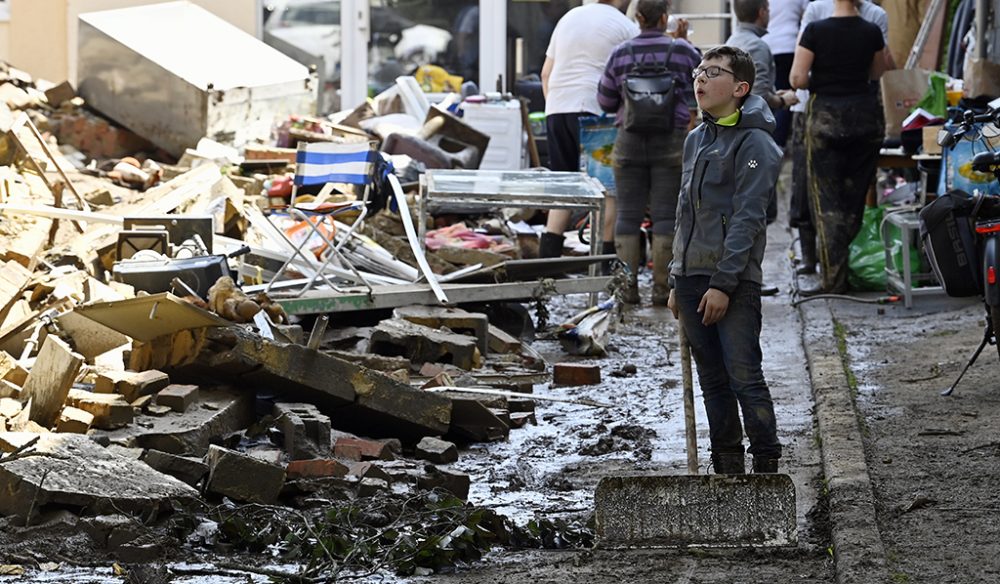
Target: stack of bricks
[(95, 136)]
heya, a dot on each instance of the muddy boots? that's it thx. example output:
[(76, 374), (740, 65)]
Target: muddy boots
[(607, 248), (807, 242), (728, 463), (663, 253), (765, 465), (628, 248), (550, 245)]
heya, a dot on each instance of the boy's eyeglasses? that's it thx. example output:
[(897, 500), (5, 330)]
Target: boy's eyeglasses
[(711, 72)]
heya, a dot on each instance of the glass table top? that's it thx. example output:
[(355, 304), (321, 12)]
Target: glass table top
[(513, 184)]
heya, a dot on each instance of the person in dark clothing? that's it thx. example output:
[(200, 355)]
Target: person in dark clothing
[(844, 130), (731, 166), (647, 166)]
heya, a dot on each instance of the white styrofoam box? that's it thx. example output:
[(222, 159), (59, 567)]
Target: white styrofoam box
[(501, 121)]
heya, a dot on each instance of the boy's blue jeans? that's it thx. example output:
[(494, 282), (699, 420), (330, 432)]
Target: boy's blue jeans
[(728, 358)]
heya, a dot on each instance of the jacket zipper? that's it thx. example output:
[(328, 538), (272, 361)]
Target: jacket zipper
[(695, 206), (723, 229)]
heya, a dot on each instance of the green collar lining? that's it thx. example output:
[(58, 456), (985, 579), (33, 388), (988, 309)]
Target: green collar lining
[(730, 120)]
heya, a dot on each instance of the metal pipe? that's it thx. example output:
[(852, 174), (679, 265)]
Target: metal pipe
[(982, 8)]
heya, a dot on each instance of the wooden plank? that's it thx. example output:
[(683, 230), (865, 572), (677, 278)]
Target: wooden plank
[(29, 244), (14, 278), (147, 317), (50, 379)]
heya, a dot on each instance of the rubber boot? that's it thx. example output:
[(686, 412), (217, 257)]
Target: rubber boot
[(765, 465), (628, 250), (807, 241), (729, 463), (663, 254), (550, 245), (607, 248)]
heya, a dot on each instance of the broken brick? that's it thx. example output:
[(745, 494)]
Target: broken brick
[(368, 469), (576, 374), (306, 430), (455, 483), (177, 397), (436, 450), (110, 411), (74, 421), (365, 449), (131, 384), (315, 468)]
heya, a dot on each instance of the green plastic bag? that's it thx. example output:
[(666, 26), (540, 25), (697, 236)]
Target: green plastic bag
[(935, 100), (866, 263)]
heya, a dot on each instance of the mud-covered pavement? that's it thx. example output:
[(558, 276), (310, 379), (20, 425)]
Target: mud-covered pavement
[(933, 460), (551, 470)]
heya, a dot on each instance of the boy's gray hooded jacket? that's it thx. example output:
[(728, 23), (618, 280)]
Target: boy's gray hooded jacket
[(729, 178)]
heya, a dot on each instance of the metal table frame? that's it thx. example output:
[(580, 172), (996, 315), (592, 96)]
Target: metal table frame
[(513, 189)]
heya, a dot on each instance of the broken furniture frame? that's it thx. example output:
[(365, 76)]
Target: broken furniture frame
[(326, 163), (489, 190)]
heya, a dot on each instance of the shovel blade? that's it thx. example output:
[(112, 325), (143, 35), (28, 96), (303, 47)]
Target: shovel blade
[(703, 510)]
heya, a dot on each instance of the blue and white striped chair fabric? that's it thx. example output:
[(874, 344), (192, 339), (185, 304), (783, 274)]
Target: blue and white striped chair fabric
[(326, 162)]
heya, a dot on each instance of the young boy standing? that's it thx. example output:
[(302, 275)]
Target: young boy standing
[(731, 166)]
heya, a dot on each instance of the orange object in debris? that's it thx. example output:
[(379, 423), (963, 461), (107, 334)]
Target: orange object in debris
[(300, 232)]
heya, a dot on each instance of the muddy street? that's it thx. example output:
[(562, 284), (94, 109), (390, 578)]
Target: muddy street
[(932, 459), (551, 470)]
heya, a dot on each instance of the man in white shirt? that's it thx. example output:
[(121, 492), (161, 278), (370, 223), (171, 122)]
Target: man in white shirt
[(574, 62), (782, 36)]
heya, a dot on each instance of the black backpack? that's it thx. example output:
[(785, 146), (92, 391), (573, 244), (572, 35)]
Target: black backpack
[(648, 95)]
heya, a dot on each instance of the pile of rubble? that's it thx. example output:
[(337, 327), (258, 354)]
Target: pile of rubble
[(131, 385)]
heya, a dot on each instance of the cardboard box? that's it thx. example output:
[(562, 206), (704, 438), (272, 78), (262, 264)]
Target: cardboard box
[(902, 89), (930, 140)]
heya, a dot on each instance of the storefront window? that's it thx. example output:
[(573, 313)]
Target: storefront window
[(408, 34), (533, 21)]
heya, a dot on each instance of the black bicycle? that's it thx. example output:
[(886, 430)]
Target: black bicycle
[(961, 231)]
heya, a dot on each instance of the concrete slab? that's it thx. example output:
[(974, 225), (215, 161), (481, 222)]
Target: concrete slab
[(421, 344), (243, 477), (217, 412), (455, 319), (706, 510), (355, 397), (81, 474)]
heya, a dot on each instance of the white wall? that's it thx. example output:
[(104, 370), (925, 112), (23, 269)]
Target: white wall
[(42, 37)]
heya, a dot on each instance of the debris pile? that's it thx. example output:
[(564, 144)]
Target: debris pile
[(176, 335)]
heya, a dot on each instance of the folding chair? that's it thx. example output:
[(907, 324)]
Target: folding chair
[(327, 163)]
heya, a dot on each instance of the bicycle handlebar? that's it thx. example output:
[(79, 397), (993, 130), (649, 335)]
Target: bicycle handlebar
[(968, 119)]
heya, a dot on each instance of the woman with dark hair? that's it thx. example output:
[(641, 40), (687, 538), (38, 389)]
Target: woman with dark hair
[(837, 60), (647, 161)]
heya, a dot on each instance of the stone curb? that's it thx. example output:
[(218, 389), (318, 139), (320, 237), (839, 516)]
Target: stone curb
[(858, 553)]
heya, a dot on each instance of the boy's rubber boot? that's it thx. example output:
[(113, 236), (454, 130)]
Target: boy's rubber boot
[(551, 245), (765, 465), (663, 254), (628, 249), (729, 463), (807, 242)]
